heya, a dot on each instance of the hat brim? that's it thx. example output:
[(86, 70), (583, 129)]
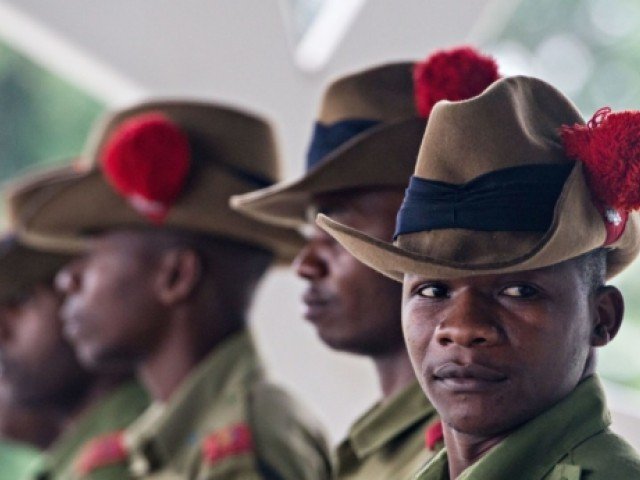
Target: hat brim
[(577, 228), (61, 210), (21, 268), (364, 161)]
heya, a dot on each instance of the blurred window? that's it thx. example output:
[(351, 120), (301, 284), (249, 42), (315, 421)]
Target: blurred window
[(43, 118), (317, 28), (302, 13)]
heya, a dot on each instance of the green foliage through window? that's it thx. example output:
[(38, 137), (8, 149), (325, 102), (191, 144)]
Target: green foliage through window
[(43, 118)]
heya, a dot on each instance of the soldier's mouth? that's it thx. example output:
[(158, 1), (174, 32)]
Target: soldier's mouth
[(315, 310), (316, 305), (71, 327), (467, 378)]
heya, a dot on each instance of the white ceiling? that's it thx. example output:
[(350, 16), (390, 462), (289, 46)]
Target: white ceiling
[(237, 51)]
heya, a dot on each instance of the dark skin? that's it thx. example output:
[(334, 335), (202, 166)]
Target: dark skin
[(494, 351), (31, 426), (30, 337), (354, 308), (137, 299), (48, 399)]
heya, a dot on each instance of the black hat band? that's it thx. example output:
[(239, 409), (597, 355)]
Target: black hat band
[(516, 199)]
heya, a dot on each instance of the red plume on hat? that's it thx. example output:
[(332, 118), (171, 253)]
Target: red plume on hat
[(147, 160), (455, 74), (609, 148)]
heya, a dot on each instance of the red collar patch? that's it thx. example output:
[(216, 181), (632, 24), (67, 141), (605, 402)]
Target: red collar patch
[(100, 452), (434, 435), (227, 442)]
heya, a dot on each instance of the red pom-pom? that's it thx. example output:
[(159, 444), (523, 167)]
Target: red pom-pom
[(609, 148), (455, 74), (147, 160)]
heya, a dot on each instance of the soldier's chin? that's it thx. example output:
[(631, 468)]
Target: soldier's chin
[(487, 424), (100, 359), (478, 427), (343, 343)]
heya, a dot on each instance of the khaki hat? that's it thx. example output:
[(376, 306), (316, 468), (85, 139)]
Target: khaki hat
[(22, 267), (166, 164), (504, 182), (369, 129)]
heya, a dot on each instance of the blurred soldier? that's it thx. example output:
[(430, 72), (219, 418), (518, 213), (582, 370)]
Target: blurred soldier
[(28, 423), (503, 243), (45, 385), (359, 162), (24, 433), (165, 284)]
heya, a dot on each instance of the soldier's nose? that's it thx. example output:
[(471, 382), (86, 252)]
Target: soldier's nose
[(67, 280), (471, 323), (309, 264)]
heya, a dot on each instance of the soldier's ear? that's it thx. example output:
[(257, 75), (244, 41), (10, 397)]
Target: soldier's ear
[(178, 274), (608, 312)]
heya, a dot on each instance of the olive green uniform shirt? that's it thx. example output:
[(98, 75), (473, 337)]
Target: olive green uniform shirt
[(17, 460), (227, 393), (115, 412), (570, 441), (388, 441)]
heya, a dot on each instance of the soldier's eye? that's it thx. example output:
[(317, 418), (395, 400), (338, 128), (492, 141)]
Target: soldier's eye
[(433, 290), (520, 291)]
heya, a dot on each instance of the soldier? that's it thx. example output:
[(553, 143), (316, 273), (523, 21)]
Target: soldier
[(503, 243), (64, 404), (360, 159), (165, 284), (29, 423), (23, 433)]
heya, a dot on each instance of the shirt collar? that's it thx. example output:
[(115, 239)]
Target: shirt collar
[(388, 419), (437, 468), (162, 430), (96, 420), (532, 451)]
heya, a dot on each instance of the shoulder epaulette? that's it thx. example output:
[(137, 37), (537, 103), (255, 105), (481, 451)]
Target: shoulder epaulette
[(434, 435), (102, 451), (227, 442)]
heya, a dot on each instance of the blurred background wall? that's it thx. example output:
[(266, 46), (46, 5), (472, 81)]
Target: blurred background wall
[(63, 62)]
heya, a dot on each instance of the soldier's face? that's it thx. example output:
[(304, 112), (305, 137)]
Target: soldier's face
[(110, 311), (37, 365), (353, 308), (493, 351)]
